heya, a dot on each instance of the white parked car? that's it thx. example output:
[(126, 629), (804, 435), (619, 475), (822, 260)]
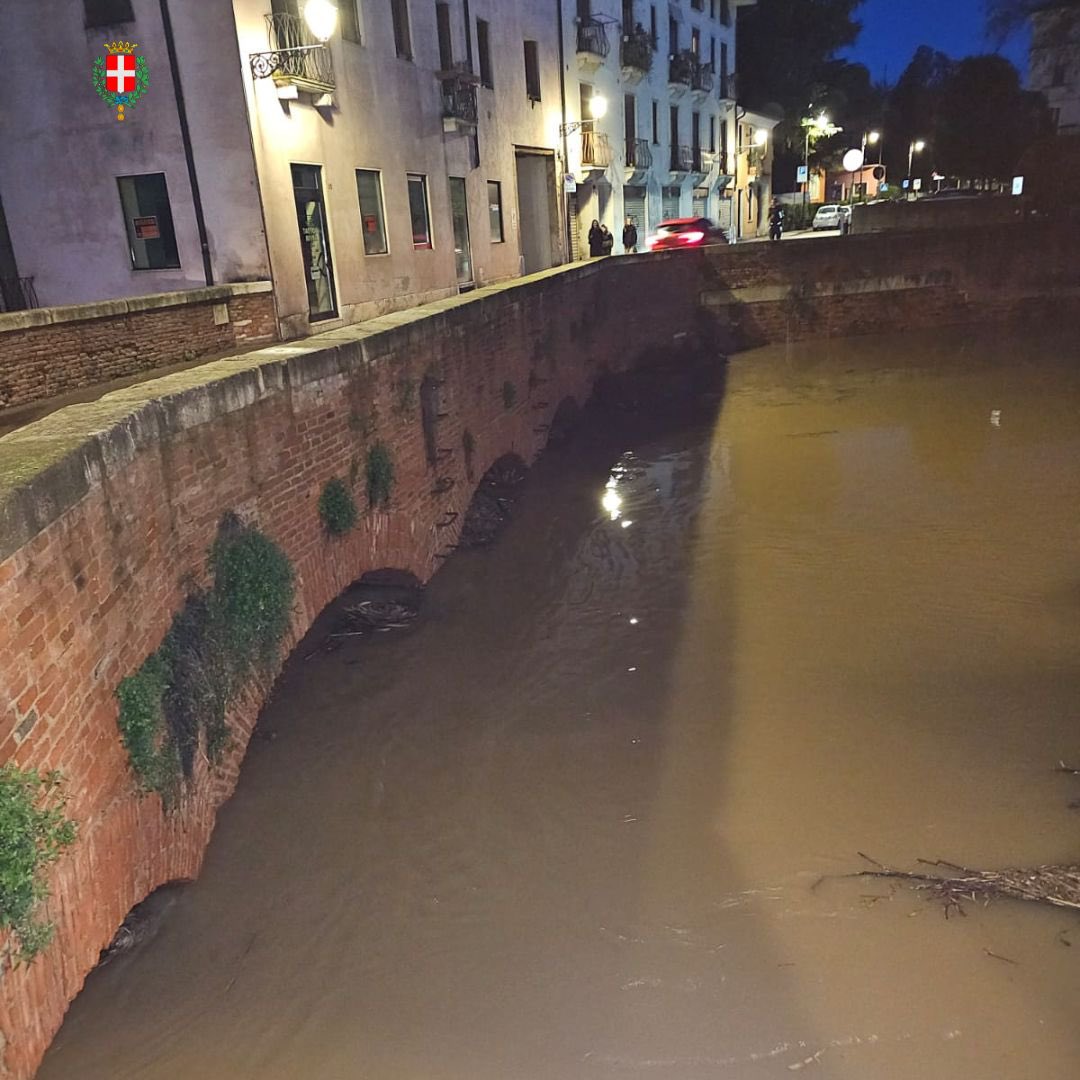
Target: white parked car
[(831, 216)]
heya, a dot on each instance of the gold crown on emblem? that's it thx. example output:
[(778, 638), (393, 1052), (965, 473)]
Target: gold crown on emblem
[(120, 46)]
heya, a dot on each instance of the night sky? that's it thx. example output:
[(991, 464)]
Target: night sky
[(894, 29)]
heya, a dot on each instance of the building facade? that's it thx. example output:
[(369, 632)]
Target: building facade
[(666, 143), (1054, 62), (409, 150)]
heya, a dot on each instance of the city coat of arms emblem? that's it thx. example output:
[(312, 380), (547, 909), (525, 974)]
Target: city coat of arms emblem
[(120, 77)]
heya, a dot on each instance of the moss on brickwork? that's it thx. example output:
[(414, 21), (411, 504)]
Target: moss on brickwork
[(216, 643), (33, 832)]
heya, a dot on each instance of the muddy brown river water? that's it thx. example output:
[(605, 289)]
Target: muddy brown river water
[(568, 826)]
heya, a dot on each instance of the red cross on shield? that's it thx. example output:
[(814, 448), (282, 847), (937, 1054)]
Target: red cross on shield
[(120, 73)]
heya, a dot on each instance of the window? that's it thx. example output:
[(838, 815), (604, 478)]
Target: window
[(673, 36), (350, 20), (712, 9), (532, 71), (656, 123), (483, 46), (725, 12), (1059, 75), (372, 217), (654, 34), (149, 223), (695, 42), (723, 65), (418, 211), (446, 41), (107, 12), (712, 52), (698, 5), (495, 213), (712, 134), (402, 40)]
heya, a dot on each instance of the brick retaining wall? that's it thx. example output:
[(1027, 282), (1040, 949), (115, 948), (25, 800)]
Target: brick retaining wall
[(49, 351), (834, 287)]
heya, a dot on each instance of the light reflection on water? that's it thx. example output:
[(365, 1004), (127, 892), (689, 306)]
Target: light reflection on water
[(575, 825)]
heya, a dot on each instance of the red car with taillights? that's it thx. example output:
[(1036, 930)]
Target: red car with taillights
[(680, 233)]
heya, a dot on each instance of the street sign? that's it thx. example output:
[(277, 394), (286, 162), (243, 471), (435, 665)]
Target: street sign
[(802, 174), (884, 187), (570, 183), (907, 184), (918, 183), (1018, 185)]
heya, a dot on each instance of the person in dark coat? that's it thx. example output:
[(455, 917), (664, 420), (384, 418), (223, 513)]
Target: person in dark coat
[(629, 236), (607, 241), (596, 240)]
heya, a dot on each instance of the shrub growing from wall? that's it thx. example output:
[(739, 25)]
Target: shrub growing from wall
[(33, 832), (337, 508), (217, 642)]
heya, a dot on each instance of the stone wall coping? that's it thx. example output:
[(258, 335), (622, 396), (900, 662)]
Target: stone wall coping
[(48, 466), (104, 309)]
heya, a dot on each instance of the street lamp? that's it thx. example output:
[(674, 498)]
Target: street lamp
[(917, 146), (873, 138), (823, 126)]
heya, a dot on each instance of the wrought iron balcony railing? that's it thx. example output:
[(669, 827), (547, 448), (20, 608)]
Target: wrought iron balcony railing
[(638, 154), (682, 159), (701, 78), (459, 99), (637, 51), (727, 86), (681, 68), (17, 294), (592, 37), (595, 149), (295, 55)]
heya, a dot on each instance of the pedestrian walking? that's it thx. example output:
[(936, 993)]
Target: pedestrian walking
[(596, 240), (607, 241), (776, 220), (629, 237)]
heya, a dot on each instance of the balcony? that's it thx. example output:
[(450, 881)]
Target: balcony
[(682, 161), (681, 72), (592, 44), (727, 87), (295, 58), (595, 150), (636, 56), (17, 294), (701, 81), (638, 158), (459, 100)]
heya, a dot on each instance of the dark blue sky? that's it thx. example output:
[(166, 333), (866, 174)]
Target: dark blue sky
[(894, 29)]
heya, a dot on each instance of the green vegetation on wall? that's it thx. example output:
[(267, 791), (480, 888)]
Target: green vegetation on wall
[(380, 476), (33, 833), (216, 644), (337, 508)]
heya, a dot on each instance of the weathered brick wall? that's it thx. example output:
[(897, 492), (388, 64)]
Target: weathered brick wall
[(99, 534), (50, 351), (761, 293)]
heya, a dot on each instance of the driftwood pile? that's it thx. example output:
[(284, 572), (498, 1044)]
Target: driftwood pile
[(1055, 884), (492, 505)]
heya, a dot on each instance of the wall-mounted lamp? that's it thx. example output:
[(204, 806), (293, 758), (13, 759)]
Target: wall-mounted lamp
[(597, 110)]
